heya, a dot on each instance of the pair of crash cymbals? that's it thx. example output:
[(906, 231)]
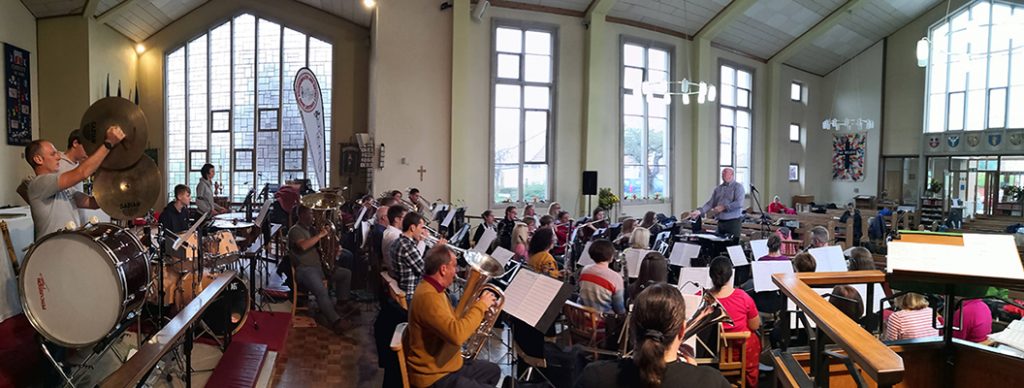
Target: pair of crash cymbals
[(128, 182)]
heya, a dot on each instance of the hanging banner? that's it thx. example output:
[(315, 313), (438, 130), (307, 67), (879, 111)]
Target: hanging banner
[(311, 108), (19, 98), (849, 150)]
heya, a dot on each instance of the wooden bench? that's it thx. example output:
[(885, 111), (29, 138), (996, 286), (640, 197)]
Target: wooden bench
[(240, 366)]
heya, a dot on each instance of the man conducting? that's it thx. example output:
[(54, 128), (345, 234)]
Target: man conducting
[(726, 204)]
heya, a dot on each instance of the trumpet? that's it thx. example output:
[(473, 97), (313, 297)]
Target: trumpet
[(483, 267)]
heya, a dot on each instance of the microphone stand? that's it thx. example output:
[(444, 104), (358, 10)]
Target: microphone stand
[(765, 220)]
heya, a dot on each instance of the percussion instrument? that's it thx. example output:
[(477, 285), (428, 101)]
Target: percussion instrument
[(220, 248), (324, 200), (121, 112), (129, 193), (77, 286), (227, 313)]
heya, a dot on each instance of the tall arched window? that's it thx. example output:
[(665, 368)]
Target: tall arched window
[(976, 69), (230, 103)]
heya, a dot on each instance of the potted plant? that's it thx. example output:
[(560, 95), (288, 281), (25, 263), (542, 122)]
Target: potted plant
[(607, 199)]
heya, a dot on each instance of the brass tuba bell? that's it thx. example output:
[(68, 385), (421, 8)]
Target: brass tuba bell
[(709, 313)]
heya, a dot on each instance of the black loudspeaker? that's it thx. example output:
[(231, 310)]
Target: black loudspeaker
[(590, 183)]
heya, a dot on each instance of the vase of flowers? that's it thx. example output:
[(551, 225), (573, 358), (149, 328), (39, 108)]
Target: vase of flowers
[(607, 200)]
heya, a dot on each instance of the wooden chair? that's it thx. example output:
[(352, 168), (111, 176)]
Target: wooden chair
[(396, 293), (534, 364), (790, 247), (396, 346), (584, 324), (728, 345)]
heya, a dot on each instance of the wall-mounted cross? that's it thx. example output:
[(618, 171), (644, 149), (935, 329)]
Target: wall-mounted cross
[(421, 171)]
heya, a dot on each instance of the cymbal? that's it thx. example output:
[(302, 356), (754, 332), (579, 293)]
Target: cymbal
[(232, 224), (115, 111), (323, 201), (239, 216), (129, 193)]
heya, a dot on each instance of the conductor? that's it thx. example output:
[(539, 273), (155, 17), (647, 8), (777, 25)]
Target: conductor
[(726, 205)]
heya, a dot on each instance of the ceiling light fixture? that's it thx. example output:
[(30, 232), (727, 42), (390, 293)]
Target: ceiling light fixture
[(661, 91), (369, 3), (140, 48)]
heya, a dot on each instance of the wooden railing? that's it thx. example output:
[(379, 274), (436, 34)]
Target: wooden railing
[(136, 368), (878, 361)]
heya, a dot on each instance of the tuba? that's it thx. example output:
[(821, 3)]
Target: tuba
[(710, 312), (330, 245), (483, 267)]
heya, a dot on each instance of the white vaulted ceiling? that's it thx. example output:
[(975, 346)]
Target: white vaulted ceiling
[(761, 29)]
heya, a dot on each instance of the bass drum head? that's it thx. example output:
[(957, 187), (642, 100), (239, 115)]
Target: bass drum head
[(70, 290)]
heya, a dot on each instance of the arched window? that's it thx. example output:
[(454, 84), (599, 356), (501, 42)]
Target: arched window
[(976, 69), (230, 103)]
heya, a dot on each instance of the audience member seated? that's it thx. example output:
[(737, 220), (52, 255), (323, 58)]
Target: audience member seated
[(778, 207), (848, 300), (977, 321), (657, 325), (541, 260), (741, 309), (774, 250), (861, 259), (804, 262), (653, 270), (912, 320)]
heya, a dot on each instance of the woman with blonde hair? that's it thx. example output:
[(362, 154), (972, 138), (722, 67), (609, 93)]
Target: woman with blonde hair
[(913, 320), (640, 238), (553, 209), (521, 241)]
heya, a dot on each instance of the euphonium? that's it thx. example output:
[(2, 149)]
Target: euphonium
[(329, 246), (483, 267), (710, 312)]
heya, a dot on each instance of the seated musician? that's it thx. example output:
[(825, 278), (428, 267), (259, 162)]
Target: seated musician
[(653, 270), (529, 211), (505, 227), (912, 320), (628, 226), (421, 204), (861, 259), (394, 219), (600, 287), (804, 262), (741, 309), (488, 223), (563, 228), (819, 237), (309, 275), (407, 261), (546, 221), (174, 217), (640, 238), (846, 299), (435, 334), (658, 323), (596, 221), (774, 250), (977, 321), (541, 260), (553, 209), (520, 239)]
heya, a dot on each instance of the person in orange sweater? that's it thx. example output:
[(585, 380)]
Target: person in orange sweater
[(436, 334)]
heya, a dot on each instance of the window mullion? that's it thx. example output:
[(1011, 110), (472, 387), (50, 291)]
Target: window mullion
[(280, 99)]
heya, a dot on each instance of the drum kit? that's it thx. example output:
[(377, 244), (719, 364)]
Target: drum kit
[(83, 286)]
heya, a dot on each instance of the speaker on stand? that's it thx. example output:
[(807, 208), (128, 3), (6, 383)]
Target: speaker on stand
[(589, 186)]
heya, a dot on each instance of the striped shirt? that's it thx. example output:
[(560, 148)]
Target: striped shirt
[(907, 324), (602, 289)]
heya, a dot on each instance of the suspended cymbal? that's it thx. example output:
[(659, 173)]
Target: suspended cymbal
[(115, 111), (129, 193), (231, 224), (323, 201)]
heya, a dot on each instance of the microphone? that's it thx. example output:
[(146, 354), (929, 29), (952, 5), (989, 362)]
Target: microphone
[(754, 189)]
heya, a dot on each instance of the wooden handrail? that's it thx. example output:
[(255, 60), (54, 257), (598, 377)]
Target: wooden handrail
[(137, 367), (877, 360), (836, 278)]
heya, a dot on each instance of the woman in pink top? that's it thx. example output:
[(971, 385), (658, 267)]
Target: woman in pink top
[(977, 321), (741, 309), (913, 320)]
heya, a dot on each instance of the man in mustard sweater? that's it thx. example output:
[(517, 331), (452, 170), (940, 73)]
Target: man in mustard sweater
[(436, 334)]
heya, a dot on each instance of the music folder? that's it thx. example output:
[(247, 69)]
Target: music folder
[(535, 299)]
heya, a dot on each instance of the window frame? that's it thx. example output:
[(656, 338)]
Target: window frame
[(550, 162), (669, 49), (206, 34), (799, 85), (799, 132), (718, 116)]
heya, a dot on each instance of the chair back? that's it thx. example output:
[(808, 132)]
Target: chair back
[(396, 346), (733, 356), (395, 292), (790, 247)]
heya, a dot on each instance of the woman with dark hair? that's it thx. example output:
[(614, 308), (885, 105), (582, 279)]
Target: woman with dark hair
[(658, 322), (848, 300), (597, 221), (622, 240), (540, 258), (740, 308), (204, 192), (648, 220), (774, 250), (653, 270)]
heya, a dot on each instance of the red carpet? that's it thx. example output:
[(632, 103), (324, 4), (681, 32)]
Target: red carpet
[(266, 328)]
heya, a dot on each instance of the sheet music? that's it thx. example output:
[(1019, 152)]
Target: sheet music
[(364, 228), (699, 275), (634, 257), (256, 245), (738, 257), (362, 213), (763, 271), (829, 259), (485, 240), (585, 259), (448, 217), (991, 256), (264, 210), (759, 248), (529, 296), (682, 253), (503, 255)]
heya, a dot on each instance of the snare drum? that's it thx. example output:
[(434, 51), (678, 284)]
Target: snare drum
[(77, 286)]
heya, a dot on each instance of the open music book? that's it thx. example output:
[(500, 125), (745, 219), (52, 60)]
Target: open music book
[(829, 259), (634, 257), (682, 253), (981, 255), (535, 299)]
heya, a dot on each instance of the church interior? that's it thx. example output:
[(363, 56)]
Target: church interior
[(498, 193)]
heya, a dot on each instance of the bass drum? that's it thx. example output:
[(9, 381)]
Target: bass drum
[(227, 313), (77, 286)]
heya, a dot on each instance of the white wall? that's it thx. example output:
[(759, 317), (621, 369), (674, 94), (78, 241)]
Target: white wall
[(17, 27), (807, 114)]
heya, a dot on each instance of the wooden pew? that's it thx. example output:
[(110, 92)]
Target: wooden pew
[(139, 366)]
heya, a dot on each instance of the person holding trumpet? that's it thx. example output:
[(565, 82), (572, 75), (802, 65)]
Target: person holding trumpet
[(436, 334), (405, 254)]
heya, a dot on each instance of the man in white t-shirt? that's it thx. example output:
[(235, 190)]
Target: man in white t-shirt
[(51, 193), (393, 231)]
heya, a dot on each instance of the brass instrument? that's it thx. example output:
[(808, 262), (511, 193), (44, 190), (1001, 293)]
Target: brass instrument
[(709, 313), (483, 267)]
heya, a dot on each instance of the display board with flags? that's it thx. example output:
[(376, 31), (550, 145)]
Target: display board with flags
[(311, 108)]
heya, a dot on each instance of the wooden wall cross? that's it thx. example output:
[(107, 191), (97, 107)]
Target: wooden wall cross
[(421, 171)]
